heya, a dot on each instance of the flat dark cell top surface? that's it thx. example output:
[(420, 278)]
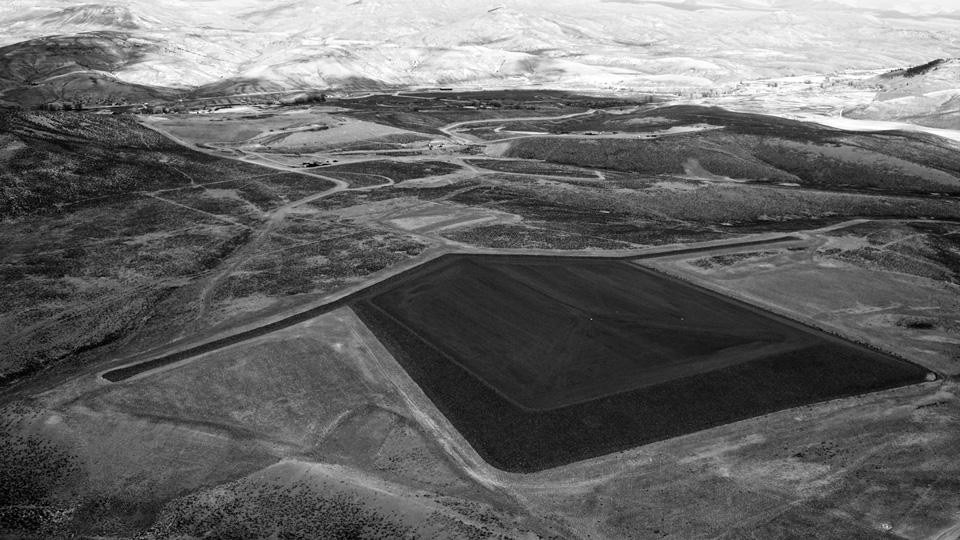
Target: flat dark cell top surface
[(542, 361), (547, 336)]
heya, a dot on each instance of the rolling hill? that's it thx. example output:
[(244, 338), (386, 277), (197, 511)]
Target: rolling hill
[(928, 95)]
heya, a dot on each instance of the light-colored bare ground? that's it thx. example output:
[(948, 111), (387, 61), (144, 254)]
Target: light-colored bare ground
[(333, 132), (430, 217)]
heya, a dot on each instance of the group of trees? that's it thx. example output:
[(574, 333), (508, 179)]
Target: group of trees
[(303, 98), (78, 104), (61, 106)]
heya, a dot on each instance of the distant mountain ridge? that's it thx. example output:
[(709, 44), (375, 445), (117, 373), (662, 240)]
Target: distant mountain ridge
[(95, 16), (165, 46)]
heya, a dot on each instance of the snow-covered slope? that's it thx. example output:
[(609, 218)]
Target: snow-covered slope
[(927, 95), (593, 44)]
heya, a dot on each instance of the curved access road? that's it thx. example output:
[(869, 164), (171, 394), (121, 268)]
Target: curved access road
[(136, 368)]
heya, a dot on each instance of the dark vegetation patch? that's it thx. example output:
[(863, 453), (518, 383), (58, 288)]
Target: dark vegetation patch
[(78, 281), (90, 262), (528, 237), (326, 255), (50, 162), (531, 167), (408, 117), (293, 186), (584, 214), (360, 180), (737, 207), (387, 142), (398, 171), (787, 224), (653, 216), (924, 249), (230, 209), (654, 118), (862, 170), (720, 261), (125, 514), (632, 208), (346, 199), (256, 194), (765, 149), (921, 148), (552, 399), (491, 100), (251, 509), (427, 112), (269, 191), (46, 489), (488, 132), (37, 475), (636, 122), (896, 262), (278, 139), (744, 123), (914, 71), (757, 208), (650, 215), (662, 156), (916, 323), (56, 161), (510, 97), (401, 153), (894, 479)]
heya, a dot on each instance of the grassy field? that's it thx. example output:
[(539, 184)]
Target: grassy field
[(546, 347)]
